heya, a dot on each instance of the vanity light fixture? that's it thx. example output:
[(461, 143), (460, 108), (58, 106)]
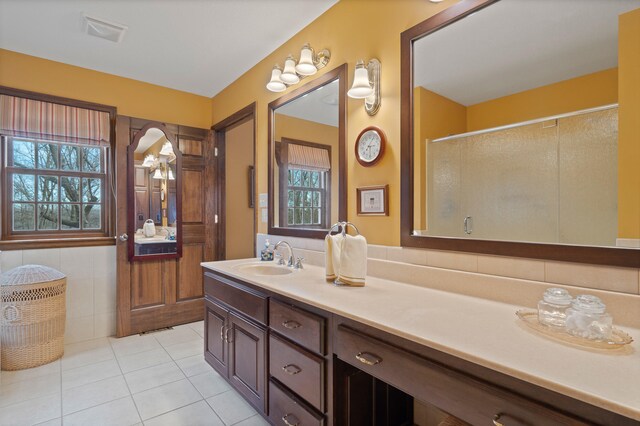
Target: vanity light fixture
[(309, 64), (170, 174), (149, 161), (366, 85), (167, 149), (157, 174)]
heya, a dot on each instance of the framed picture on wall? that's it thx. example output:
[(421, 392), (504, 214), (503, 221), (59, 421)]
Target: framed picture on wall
[(373, 200)]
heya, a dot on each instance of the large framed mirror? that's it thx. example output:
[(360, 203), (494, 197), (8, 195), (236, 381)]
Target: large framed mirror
[(307, 173), (154, 194), (519, 130)]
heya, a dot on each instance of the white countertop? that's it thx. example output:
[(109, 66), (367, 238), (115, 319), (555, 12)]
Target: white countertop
[(482, 331)]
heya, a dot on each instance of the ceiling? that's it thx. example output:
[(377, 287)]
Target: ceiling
[(320, 105), (197, 46), (516, 45)]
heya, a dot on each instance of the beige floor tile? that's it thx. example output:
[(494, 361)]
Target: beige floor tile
[(179, 334), (86, 353), (133, 344), (7, 377), (30, 412), (121, 412), (193, 365), (256, 420), (142, 360), (87, 396), (151, 377), (13, 393), (198, 414), (230, 407), (160, 400), (90, 373), (198, 327), (210, 384), (186, 349)]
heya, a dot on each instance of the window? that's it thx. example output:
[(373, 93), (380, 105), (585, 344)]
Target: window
[(55, 170), (54, 187), (306, 197)]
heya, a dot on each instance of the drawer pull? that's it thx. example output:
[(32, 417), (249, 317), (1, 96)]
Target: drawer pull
[(291, 324), (291, 369), (226, 334), (286, 421), (368, 358), (496, 418)]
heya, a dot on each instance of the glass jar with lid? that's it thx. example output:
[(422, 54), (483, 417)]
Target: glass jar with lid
[(587, 318), (553, 307)]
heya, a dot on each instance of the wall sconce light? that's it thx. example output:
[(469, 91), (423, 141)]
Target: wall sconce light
[(157, 174), (149, 161), (309, 64), (366, 85)]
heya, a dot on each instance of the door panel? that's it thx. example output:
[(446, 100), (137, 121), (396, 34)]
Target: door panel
[(161, 293), (215, 346)]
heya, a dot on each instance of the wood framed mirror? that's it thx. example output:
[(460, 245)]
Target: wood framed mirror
[(307, 172), (154, 182), (517, 132)]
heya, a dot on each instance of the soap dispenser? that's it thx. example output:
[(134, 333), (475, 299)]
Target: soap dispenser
[(267, 253)]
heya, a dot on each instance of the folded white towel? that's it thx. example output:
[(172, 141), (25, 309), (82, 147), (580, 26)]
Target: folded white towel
[(353, 260), (333, 248)]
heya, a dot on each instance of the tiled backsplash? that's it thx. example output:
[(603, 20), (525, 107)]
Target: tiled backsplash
[(507, 279), (91, 286)]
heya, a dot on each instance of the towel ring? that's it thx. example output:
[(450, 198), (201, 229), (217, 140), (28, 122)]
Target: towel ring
[(343, 226)]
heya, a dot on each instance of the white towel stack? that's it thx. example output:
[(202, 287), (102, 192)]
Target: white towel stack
[(346, 259)]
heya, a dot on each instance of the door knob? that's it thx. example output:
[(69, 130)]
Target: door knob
[(123, 237)]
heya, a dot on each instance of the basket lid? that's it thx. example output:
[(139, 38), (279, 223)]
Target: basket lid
[(30, 274)]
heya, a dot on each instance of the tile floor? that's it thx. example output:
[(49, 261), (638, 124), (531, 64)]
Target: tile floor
[(156, 379)]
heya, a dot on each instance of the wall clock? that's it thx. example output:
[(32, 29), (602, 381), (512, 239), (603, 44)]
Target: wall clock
[(370, 145)]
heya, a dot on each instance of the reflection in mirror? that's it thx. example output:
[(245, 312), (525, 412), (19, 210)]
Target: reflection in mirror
[(307, 142), (518, 125), (155, 174)]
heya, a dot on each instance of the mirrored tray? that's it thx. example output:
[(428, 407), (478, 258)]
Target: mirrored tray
[(618, 337)]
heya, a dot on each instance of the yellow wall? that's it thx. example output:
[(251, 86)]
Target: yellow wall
[(351, 30), (131, 97), (309, 131), (434, 117), (587, 91), (629, 125)]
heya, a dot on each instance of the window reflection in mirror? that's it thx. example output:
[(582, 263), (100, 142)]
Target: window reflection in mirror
[(307, 139), (519, 126), (154, 187)]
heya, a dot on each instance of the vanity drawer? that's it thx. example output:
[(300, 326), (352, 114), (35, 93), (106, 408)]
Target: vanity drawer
[(302, 327), (468, 398), (286, 408), (240, 298), (300, 371)]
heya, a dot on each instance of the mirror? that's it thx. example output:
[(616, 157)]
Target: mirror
[(154, 197), (307, 177), (517, 118)]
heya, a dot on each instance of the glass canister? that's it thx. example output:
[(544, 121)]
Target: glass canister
[(553, 306), (587, 318)]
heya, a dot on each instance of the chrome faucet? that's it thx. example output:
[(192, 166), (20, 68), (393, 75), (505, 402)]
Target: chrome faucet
[(286, 244)]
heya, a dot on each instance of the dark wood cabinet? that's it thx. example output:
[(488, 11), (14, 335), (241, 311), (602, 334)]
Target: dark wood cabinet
[(236, 346)]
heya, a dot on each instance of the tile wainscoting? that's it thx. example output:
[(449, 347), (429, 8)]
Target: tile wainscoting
[(91, 286)]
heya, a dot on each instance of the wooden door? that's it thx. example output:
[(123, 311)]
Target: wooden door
[(247, 354), (215, 345), (162, 293)]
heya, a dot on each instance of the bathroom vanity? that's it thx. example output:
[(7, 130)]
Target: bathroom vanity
[(304, 352)]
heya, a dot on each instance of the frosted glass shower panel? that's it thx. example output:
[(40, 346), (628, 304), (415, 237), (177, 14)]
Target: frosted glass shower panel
[(588, 156), (510, 185), (444, 189)]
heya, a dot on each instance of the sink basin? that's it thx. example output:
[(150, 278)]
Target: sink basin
[(264, 269)]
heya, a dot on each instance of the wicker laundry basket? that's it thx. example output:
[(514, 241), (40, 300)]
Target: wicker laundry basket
[(32, 316)]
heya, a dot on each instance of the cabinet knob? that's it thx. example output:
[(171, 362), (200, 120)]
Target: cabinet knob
[(291, 324), (286, 421), (368, 358), (496, 418), (291, 369)]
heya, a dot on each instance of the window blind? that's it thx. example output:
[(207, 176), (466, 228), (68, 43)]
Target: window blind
[(308, 158), (31, 118)]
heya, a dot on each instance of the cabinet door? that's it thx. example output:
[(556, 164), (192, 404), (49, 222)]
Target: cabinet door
[(216, 350), (247, 348)]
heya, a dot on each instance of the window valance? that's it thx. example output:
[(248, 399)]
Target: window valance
[(31, 118), (308, 157)]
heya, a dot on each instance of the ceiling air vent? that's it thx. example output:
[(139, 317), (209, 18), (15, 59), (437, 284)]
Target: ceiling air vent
[(104, 29)]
